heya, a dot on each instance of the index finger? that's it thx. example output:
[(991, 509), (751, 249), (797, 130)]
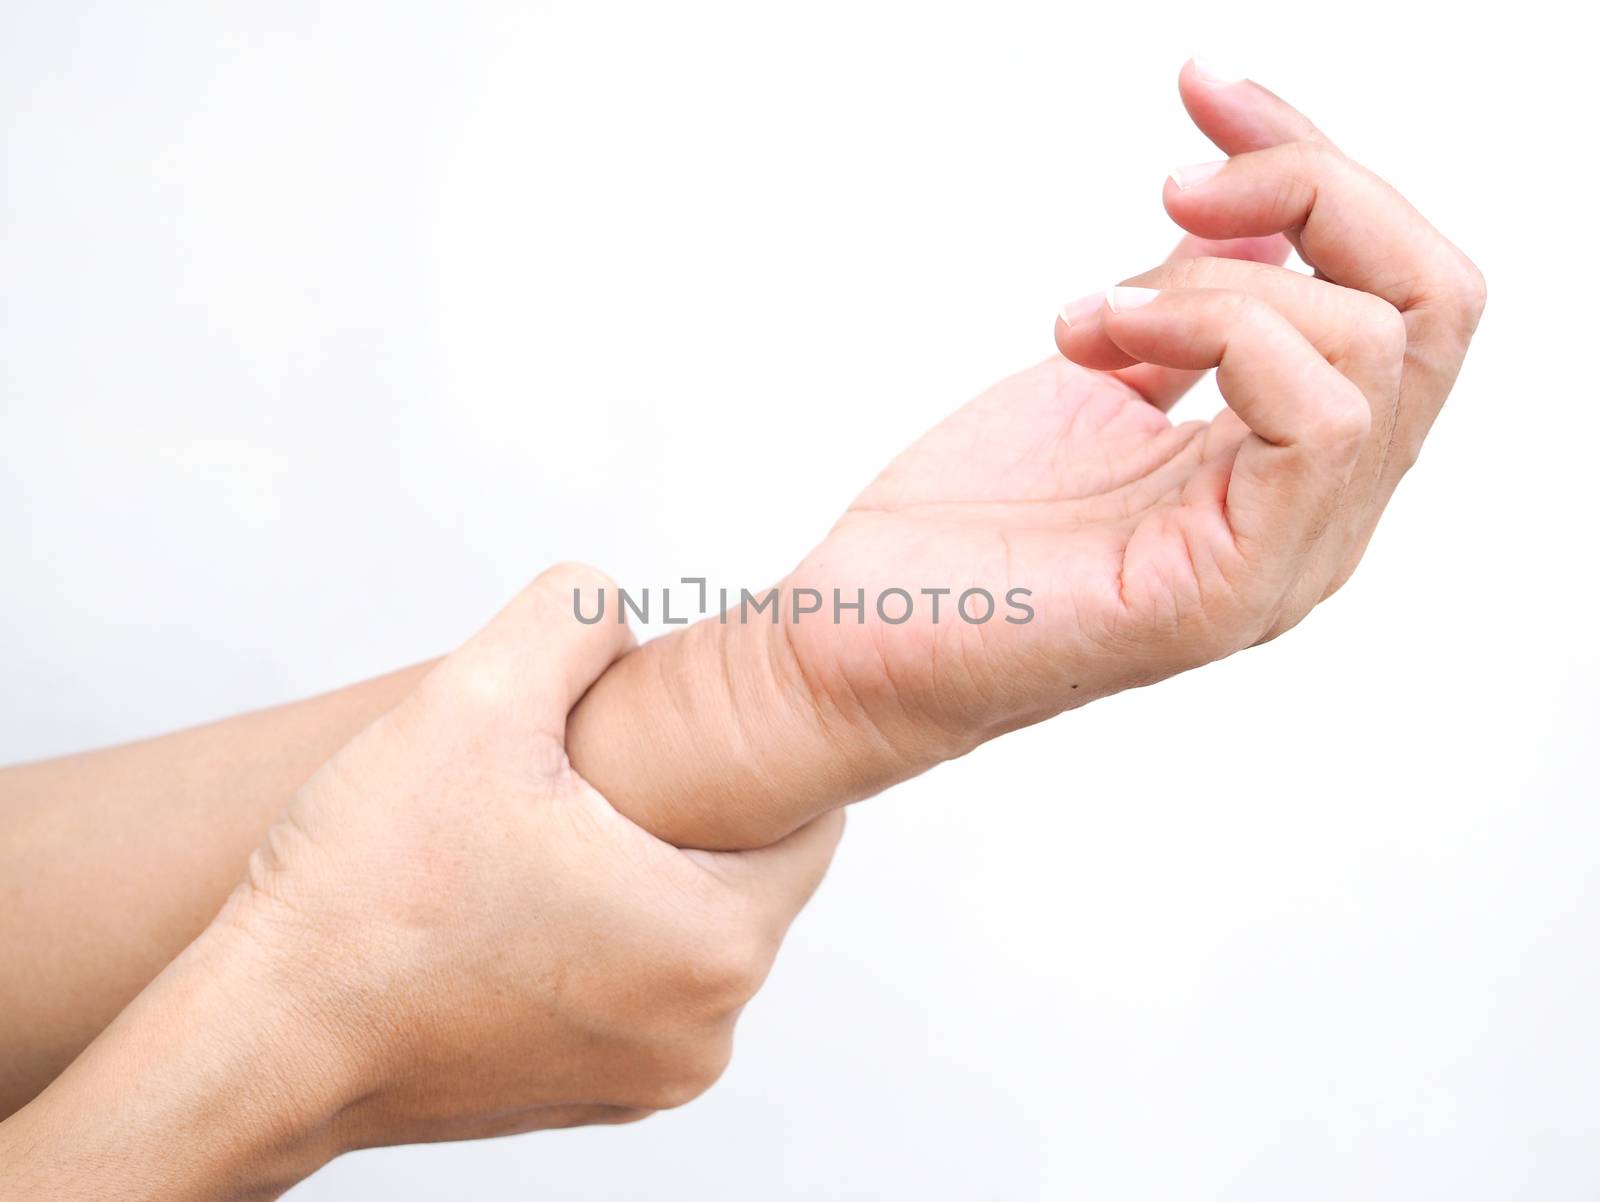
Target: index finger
[(1164, 386)]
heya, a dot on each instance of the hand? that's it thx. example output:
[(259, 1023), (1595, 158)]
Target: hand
[(1145, 548), (1151, 548), (487, 946), (448, 935)]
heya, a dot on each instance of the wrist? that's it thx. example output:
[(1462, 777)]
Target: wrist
[(717, 737), (214, 1083)]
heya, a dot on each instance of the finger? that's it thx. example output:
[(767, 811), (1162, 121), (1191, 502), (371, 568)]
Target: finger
[(1163, 386), (1361, 335), (1082, 316), (1352, 227), (535, 659), (1238, 114), (1359, 232), (1362, 233), (1078, 319), (778, 880), (1364, 338), (1308, 422)]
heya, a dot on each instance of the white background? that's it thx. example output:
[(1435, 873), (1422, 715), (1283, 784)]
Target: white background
[(322, 328)]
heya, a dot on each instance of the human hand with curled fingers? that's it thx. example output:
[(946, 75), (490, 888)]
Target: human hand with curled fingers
[(1145, 548), (1152, 548), (1332, 380)]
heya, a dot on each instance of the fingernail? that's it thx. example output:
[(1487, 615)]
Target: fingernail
[(1075, 312), (1210, 70), (1197, 173), (1122, 299)]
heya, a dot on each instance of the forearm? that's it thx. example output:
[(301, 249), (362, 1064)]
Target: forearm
[(300, 1021), (112, 861), (203, 1089)]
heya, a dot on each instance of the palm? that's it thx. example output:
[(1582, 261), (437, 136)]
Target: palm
[(1061, 481)]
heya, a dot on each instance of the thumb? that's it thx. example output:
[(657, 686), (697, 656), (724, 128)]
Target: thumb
[(530, 665)]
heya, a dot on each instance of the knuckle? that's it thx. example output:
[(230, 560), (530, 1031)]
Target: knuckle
[(471, 702), (1302, 168), (1345, 420), (1352, 423), (691, 1072), (1309, 158), (1243, 308), (730, 971), (1473, 290), (1383, 328), (1456, 289), (709, 967), (473, 685), (1403, 455), (1253, 314)]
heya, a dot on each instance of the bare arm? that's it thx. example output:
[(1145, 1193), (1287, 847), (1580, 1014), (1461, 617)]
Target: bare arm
[(555, 966), (112, 861), (1146, 549)]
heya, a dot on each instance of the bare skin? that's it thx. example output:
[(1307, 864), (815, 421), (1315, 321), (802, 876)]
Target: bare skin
[(112, 861), (447, 935), (1148, 550)]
